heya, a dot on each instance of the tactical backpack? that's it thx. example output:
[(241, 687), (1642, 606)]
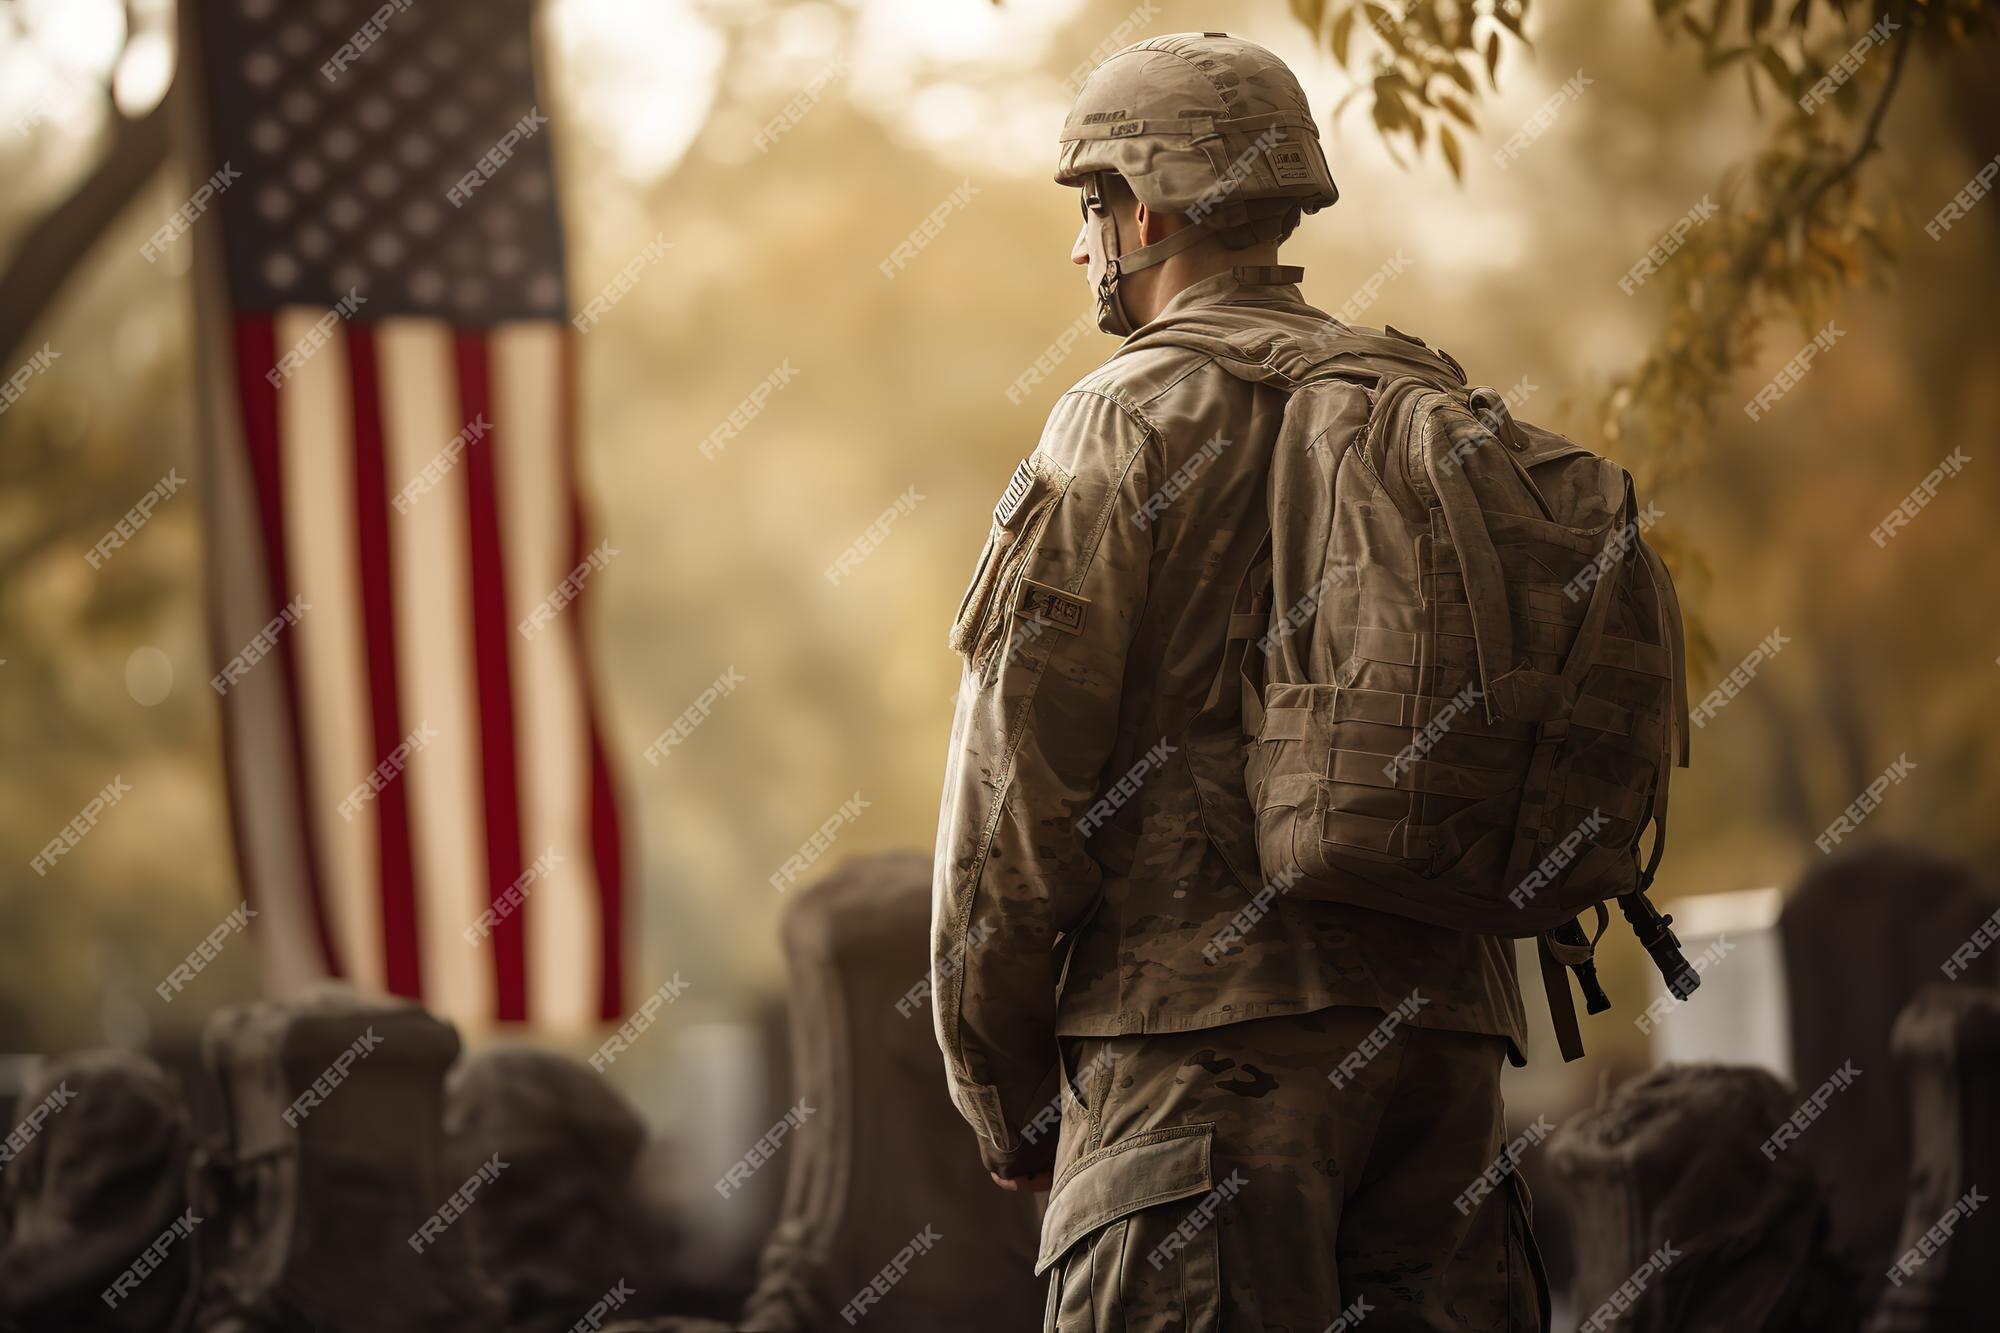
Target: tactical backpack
[(1460, 664)]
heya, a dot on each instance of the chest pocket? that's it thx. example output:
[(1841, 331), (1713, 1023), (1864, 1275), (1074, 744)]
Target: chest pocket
[(1018, 520)]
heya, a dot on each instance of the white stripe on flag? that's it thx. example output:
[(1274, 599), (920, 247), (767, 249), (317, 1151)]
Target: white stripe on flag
[(263, 771), (552, 739), (427, 541), (272, 870), (315, 428)]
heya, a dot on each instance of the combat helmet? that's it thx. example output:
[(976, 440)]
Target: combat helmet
[(1202, 124)]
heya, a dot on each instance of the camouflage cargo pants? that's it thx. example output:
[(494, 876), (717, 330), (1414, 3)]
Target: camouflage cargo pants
[(1217, 1180)]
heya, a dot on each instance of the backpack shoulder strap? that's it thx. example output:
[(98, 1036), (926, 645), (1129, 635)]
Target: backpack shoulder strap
[(1540, 445), (1287, 348), (1676, 649)]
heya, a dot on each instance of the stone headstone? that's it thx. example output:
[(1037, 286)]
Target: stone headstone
[(1863, 933), (1945, 1274), (1684, 1223), (883, 1157), (98, 1175), (334, 1160), (567, 1225)]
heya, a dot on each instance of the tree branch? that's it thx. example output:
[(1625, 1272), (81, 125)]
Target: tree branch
[(1870, 141), (53, 247)]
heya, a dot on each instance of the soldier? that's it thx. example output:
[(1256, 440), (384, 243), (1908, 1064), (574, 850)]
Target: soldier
[(1273, 1114)]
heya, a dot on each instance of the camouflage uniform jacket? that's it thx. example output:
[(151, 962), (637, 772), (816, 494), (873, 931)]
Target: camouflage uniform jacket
[(1077, 888)]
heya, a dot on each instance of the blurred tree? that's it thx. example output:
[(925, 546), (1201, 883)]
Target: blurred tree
[(1797, 224), (60, 238)]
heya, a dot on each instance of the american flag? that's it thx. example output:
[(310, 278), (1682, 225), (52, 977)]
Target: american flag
[(421, 798)]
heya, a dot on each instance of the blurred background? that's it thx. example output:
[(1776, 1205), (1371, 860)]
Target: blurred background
[(765, 160)]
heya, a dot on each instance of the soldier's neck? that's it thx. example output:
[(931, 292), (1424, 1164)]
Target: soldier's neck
[(1182, 271)]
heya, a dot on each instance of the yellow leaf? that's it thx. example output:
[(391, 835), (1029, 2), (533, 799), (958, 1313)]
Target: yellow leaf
[(1449, 142), (1342, 28)]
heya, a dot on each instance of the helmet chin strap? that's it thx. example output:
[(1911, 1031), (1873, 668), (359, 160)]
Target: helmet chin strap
[(1112, 316)]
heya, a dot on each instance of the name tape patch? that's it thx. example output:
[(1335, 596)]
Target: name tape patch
[(1288, 161), (1050, 606)]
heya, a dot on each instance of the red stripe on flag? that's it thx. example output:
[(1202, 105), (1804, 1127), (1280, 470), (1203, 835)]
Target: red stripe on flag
[(490, 646), (606, 845), (402, 958), (257, 355)]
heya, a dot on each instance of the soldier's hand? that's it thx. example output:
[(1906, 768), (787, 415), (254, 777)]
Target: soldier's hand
[(1027, 1167)]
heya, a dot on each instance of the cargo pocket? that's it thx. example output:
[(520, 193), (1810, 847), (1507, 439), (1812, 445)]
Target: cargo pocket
[(1527, 1279), (1130, 1239), (1018, 520)]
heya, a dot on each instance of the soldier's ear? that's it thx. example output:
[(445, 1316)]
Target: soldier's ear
[(1152, 226)]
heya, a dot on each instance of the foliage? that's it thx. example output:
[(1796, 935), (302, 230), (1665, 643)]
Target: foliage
[(1427, 55), (1798, 223)]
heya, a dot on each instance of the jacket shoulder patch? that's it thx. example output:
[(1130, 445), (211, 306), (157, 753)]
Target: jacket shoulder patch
[(1019, 486)]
